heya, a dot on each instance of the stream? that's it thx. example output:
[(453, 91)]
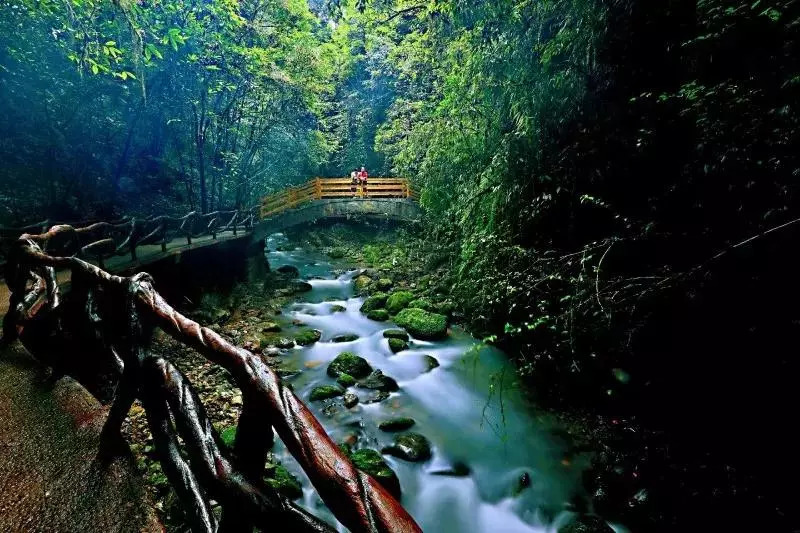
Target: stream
[(468, 408)]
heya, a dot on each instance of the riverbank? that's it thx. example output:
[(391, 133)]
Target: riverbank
[(434, 414)]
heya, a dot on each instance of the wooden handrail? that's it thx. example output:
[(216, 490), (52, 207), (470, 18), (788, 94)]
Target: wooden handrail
[(329, 188), (114, 317)]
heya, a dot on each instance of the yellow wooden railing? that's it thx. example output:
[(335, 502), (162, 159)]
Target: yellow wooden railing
[(323, 188)]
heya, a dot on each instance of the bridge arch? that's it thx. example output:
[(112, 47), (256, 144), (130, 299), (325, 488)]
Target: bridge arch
[(397, 209)]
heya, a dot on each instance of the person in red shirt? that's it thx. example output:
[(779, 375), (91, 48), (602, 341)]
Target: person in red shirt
[(362, 178)]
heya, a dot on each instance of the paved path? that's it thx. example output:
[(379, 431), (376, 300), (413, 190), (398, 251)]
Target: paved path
[(49, 479), (49, 436)]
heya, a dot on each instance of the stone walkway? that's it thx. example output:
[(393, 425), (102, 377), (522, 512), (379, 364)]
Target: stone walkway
[(49, 478)]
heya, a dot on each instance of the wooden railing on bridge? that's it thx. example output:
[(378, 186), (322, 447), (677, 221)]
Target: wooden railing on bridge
[(325, 188), (98, 241), (107, 322)]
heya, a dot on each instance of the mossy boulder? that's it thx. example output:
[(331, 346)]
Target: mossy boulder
[(396, 424), (384, 284), (280, 479), (350, 399), (395, 334), (336, 253), (397, 301), (307, 336), (430, 362), (371, 462), (411, 447), (377, 380), (346, 380), (289, 271), (422, 324), (444, 308), (349, 363), (283, 343), (300, 286), (397, 345), (378, 315), (376, 301), (362, 282), (422, 303), (336, 308), (270, 327), (345, 337), (325, 392)]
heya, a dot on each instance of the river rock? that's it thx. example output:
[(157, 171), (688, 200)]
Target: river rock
[(410, 446), (422, 324), (378, 315), (270, 327), (586, 524), (395, 334), (379, 396), (350, 400), (384, 284), (289, 270), (378, 381), (345, 337), (396, 424), (284, 343), (361, 283), (300, 286), (397, 345), (376, 301), (271, 351), (430, 362), (349, 363), (308, 336), (458, 469), (523, 482), (397, 301), (422, 303), (371, 462), (346, 380), (325, 392), (336, 308)]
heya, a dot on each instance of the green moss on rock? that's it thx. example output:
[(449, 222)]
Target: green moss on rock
[(422, 303), (349, 363), (396, 424), (397, 345), (362, 282), (346, 380), (422, 324), (228, 436), (411, 447), (345, 337), (384, 284), (371, 462), (280, 479), (376, 301), (378, 315), (325, 392), (307, 336), (395, 334), (398, 301)]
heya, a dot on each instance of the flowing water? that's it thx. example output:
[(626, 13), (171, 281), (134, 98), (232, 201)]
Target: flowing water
[(468, 408)]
